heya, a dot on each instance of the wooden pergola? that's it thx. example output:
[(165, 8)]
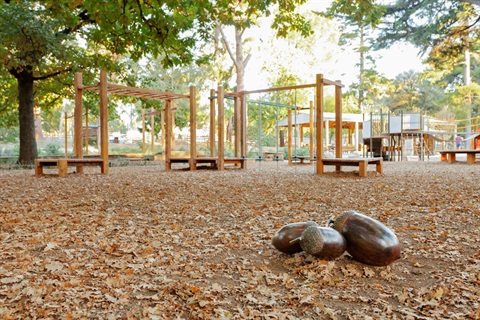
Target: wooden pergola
[(104, 88), (318, 86)]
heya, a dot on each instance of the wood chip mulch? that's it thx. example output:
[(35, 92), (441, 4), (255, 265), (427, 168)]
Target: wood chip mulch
[(143, 243)]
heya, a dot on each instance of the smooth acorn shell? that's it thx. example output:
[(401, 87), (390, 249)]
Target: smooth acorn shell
[(281, 239), (324, 243), (368, 240)]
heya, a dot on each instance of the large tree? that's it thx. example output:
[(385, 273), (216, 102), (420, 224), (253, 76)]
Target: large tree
[(358, 21), (41, 40), (241, 17)]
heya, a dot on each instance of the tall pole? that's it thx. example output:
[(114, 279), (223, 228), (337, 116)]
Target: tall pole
[(211, 136), (221, 128), (193, 129), (77, 124), (104, 120), (152, 120), (338, 120), (143, 131), (319, 122), (311, 144), (168, 135)]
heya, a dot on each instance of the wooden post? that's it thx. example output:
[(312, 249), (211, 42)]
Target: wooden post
[(289, 137), (319, 122), (77, 124), (162, 130), (193, 129), (211, 136), (104, 120), (311, 144), (338, 121), (65, 124), (243, 129), (144, 147), (221, 128), (86, 130), (152, 142), (236, 124), (168, 135)]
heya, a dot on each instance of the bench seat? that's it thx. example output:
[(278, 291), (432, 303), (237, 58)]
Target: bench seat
[(450, 155), (64, 163), (361, 163)]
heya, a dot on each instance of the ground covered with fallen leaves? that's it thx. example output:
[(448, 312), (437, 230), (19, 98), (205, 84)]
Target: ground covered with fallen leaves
[(143, 243)]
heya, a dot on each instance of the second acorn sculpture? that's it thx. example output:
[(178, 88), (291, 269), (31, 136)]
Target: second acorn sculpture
[(321, 242), (368, 240)]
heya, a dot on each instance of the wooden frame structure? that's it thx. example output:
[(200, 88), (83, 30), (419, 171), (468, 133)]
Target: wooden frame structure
[(240, 120), (338, 161), (216, 111), (104, 88)]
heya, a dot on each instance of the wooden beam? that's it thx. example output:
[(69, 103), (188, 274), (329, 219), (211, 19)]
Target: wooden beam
[(312, 150), (168, 135), (77, 124), (319, 122), (289, 137), (193, 128), (243, 128), (144, 128), (338, 121), (221, 128), (332, 83), (236, 124), (104, 120), (211, 136), (152, 142), (280, 88)]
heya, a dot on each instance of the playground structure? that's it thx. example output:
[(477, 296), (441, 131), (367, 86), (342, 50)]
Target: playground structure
[(217, 124), (240, 118), (394, 137)]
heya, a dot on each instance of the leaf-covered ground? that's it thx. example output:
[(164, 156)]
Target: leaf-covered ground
[(142, 243)]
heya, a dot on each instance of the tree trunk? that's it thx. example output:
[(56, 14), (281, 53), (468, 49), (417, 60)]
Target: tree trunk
[(28, 144), (361, 92), (239, 63)]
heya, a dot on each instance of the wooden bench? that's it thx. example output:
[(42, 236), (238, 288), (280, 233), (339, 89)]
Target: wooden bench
[(450, 155), (361, 163), (211, 161), (301, 159), (273, 155), (64, 163)]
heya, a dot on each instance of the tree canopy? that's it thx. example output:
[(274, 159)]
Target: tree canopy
[(43, 40)]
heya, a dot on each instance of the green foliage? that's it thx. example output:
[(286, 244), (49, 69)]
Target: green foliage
[(409, 92), (51, 149), (465, 99), (444, 29), (358, 12), (10, 150), (358, 20)]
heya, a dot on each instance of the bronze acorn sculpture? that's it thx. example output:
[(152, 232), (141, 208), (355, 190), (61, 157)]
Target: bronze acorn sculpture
[(281, 239), (368, 240), (323, 243)]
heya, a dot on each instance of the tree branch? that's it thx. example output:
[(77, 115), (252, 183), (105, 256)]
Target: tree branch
[(226, 44), (84, 19), (245, 62), (51, 75)]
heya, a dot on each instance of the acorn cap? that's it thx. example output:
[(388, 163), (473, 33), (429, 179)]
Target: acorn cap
[(312, 240), (341, 219)]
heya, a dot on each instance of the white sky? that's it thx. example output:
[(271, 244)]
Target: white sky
[(390, 62)]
